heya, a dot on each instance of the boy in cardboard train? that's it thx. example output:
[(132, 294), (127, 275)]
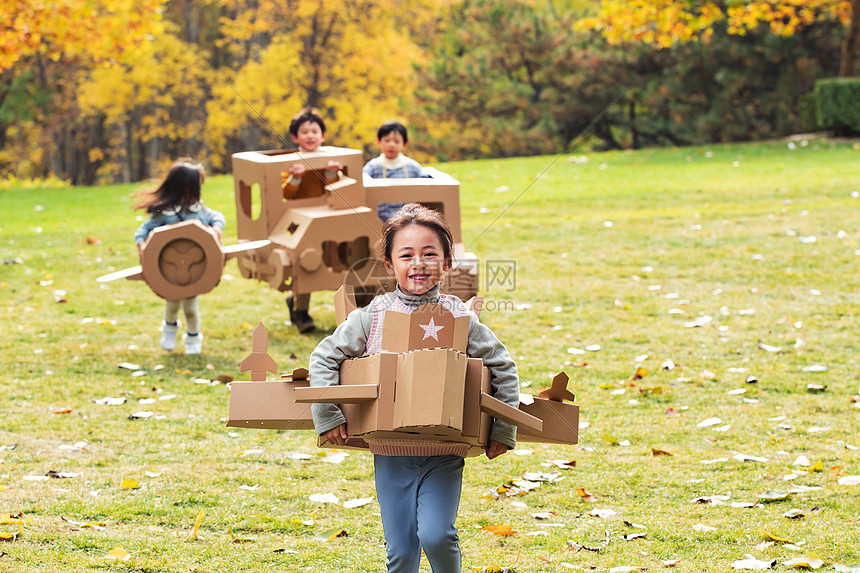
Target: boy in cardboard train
[(322, 215), (407, 377)]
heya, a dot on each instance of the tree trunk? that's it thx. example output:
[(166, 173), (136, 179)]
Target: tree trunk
[(851, 43)]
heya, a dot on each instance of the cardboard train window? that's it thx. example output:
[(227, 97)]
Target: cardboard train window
[(250, 200), (342, 256)]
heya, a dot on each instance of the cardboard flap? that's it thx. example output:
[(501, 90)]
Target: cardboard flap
[(296, 375), (560, 422), (344, 302), (558, 392), (344, 194), (502, 411), (428, 326), (476, 304), (259, 362), (352, 394)]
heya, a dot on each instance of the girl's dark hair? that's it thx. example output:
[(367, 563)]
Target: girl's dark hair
[(390, 126), (180, 188), (416, 214), (307, 114)]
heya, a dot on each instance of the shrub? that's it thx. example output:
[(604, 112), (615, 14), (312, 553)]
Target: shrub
[(837, 103), (808, 119)]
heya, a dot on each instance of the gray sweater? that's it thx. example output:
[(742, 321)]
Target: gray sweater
[(349, 340)]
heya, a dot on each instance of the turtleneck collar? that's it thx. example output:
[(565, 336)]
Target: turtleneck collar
[(416, 300)]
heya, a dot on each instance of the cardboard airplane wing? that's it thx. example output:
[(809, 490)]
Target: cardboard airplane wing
[(432, 393), (182, 260)]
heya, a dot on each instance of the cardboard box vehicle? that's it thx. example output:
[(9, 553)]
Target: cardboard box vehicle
[(326, 232), (419, 386), (182, 260), (318, 235)]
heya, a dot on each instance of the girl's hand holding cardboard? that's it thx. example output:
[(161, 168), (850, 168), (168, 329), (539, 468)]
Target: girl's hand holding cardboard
[(495, 449), (336, 435)]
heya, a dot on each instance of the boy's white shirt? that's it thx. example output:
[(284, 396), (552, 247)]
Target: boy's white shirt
[(321, 150), (391, 164)]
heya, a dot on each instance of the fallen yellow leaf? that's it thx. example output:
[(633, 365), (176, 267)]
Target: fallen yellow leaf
[(499, 529), (119, 554), (5, 536), (332, 534), (197, 522), (236, 538), (129, 483), (774, 537)]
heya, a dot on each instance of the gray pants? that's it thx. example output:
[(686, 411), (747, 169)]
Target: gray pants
[(189, 307)]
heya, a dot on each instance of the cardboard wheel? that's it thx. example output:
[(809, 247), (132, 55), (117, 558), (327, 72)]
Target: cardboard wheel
[(182, 260)]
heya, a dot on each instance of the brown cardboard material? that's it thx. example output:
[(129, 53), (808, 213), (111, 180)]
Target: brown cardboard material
[(183, 260), (560, 422), (259, 362), (558, 391), (354, 394), (430, 389), (440, 191), (510, 414), (326, 232), (428, 326), (344, 302), (377, 416), (476, 429), (258, 177), (323, 244), (434, 394), (268, 404)]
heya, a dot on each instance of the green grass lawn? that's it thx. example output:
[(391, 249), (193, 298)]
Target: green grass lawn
[(757, 244)]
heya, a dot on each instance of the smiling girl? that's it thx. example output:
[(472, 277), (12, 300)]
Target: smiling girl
[(418, 482)]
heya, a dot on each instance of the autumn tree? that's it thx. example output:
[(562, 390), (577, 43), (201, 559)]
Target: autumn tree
[(510, 78), (352, 60), (664, 23), (43, 46)]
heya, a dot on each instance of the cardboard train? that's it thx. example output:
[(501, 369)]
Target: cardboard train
[(422, 385), (326, 231)]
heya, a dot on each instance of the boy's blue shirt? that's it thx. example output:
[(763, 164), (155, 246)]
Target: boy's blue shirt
[(378, 169)]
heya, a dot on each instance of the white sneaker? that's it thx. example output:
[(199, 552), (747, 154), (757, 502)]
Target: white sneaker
[(168, 336), (194, 344)]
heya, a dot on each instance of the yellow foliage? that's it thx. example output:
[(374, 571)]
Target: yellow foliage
[(666, 22), (352, 63), (162, 90), (75, 29)]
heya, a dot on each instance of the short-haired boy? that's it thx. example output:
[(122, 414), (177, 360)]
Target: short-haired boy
[(307, 129), (392, 138)]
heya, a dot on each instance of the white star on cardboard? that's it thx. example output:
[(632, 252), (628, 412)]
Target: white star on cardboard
[(431, 329)]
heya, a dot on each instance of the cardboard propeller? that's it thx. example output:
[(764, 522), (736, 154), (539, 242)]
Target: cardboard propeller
[(182, 260)]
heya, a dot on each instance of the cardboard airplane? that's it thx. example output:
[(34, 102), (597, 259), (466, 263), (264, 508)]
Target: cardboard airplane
[(420, 385), (182, 260)]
